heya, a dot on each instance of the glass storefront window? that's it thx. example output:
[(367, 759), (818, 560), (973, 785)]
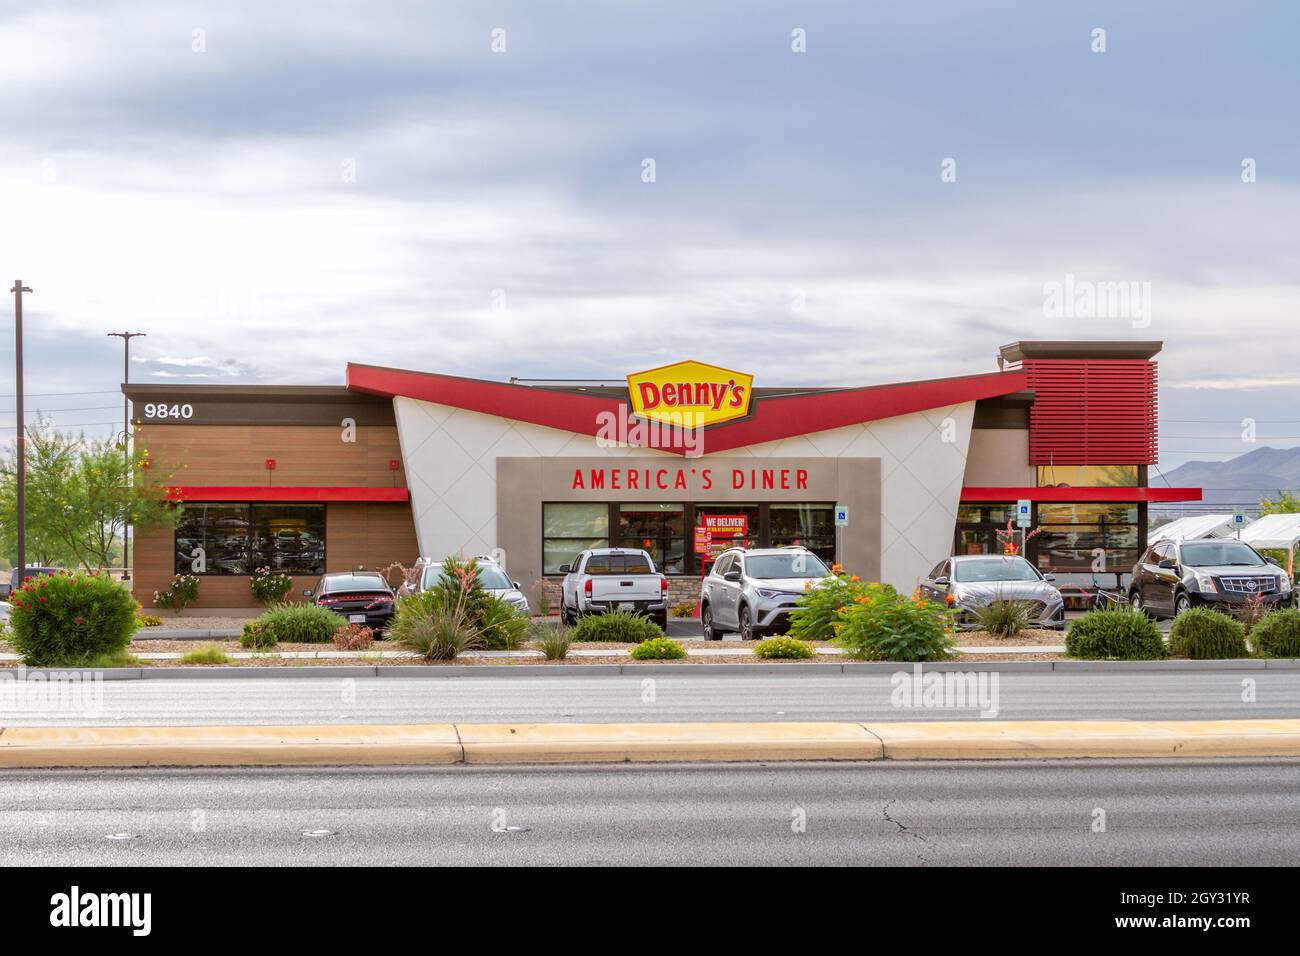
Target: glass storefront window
[(658, 528), (289, 538), (1088, 476), (238, 539), (995, 512), (571, 527), (750, 512), (1085, 537), (811, 525)]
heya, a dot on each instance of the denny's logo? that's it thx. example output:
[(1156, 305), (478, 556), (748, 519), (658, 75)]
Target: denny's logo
[(690, 394)]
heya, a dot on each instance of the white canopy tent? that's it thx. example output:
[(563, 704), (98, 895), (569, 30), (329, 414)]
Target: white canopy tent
[(1193, 526), (1279, 532)]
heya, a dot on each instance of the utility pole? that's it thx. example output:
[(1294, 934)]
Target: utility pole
[(21, 448), (126, 338)]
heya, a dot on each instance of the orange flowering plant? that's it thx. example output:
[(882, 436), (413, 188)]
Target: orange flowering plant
[(66, 619), (882, 625), (816, 608)]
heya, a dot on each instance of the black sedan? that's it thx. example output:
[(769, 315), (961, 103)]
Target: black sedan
[(360, 597)]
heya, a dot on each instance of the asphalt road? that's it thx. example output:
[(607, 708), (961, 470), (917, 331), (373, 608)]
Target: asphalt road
[(690, 696), (1185, 812)]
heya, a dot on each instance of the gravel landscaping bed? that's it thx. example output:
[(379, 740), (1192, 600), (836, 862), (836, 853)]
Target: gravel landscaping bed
[(1027, 638)]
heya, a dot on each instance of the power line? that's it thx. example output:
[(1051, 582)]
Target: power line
[(111, 391)]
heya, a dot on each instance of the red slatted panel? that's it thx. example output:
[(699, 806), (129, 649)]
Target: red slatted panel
[(1092, 412)]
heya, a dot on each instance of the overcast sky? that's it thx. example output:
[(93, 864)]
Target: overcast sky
[(273, 189)]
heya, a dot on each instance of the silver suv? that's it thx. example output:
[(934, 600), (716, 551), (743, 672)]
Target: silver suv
[(491, 575), (753, 592)]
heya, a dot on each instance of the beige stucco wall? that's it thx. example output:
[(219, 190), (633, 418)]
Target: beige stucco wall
[(998, 458)]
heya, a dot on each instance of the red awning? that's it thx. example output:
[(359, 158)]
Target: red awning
[(298, 493), (1081, 494)]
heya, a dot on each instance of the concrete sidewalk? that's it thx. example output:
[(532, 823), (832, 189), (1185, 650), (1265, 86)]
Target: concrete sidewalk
[(611, 653), (380, 744)]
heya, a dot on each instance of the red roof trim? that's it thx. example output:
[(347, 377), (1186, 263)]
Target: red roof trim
[(771, 419), (1081, 494), (296, 493)]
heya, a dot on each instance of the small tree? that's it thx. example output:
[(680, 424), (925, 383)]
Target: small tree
[(81, 494)]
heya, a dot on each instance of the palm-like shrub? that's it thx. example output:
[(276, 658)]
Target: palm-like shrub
[(459, 587), (1003, 618), (1203, 633), (1115, 634), (553, 641), (433, 631), (64, 619)]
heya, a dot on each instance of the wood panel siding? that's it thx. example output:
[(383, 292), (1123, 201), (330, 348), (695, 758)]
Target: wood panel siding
[(357, 536), (304, 455)]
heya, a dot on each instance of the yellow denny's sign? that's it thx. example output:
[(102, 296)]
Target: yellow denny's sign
[(690, 394)]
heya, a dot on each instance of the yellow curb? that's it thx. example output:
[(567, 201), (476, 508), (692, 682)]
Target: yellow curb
[(569, 743), (333, 744), (384, 744), (955, 740)]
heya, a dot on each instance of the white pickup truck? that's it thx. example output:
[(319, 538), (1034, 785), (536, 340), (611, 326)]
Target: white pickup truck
[(613, 579)]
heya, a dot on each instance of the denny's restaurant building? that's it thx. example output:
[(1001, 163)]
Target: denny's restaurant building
[(683, 461)]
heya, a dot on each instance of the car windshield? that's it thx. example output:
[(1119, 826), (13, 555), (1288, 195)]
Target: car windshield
[(796, 564), (1208, 554), (353, 582), (993, 569), (494, 579)]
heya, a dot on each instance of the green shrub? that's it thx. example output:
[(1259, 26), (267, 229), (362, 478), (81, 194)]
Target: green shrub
[(1115, 634), (212, 654), (658, 649), (554, 641), (1003, 618), (181, 591), (434, 632), (817, 609), (502, 626), (257, 636), (882, 625), (624, 627), (148, 620), (354, 637), (269, 586), (301, 623), (1278, 634), (1203, 633), (66, 617), (784, 648)]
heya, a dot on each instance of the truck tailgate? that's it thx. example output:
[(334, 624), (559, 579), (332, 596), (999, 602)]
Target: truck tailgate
[(613, 588)]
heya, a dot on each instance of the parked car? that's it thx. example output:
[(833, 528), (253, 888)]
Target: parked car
[(1175, 575), (967, 582), (753, 592), (7, 588), (362, 597), (608, 579), (491, 575)]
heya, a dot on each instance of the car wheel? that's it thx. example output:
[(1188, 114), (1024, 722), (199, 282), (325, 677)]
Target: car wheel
[(706, 622), (661, 620), (746, 624), (1181, 603), (1135, 602)]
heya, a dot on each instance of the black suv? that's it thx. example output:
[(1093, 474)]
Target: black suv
[(1174, 575)]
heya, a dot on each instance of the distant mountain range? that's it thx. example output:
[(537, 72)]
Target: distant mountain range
[(1241, 480)]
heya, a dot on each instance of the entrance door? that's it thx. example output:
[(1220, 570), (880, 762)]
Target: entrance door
[(977, 539)]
